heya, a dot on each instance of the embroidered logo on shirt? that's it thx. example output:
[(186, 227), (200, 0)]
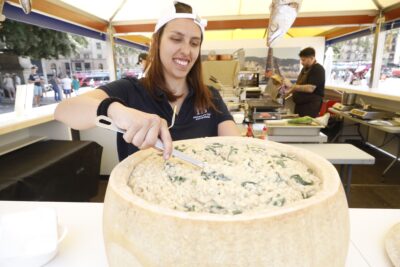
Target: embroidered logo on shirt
[(202, 116)]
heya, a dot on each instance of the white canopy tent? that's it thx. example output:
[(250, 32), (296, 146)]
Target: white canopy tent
[(134, 20), (231, 19)]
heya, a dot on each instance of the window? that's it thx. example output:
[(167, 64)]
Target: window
[(126, 60), (99, 56), (67, 68), (53, 68), (100, 66), (352, 61), (86, 56), (87, 66), (98, 45), (390, 71), (78, 66)]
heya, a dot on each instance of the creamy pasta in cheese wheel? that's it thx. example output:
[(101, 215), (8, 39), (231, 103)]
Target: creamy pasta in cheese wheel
[(237, 178), (255, 203)]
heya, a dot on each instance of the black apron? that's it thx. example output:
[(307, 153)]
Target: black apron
[(307, 104)]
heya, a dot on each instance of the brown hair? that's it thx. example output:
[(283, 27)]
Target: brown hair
[(307, 52), (154, 78)]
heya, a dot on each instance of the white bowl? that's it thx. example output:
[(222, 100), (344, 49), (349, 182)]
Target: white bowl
[(35, 260)]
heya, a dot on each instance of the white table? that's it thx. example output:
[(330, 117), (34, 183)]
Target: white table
[(392, 130), (83, 246), (321, 138), (345, 155), (257, 130)]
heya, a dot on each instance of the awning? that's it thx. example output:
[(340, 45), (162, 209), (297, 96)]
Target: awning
[(134, 20)]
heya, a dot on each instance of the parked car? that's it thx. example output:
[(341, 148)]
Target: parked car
[(97, 80), (396, 73)]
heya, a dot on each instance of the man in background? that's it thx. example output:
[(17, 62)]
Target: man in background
[(37, 86), (67, 86), (308, 91)]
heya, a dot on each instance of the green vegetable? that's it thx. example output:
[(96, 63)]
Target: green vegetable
[(301, 120), (232, 150), (205, 175), (221, 177), (300, 180), (175, 178), (281, 163), (236, 212), (216, 208), (209, 148), (217, 145), (213, 174), (255, 149), (249, 185), (190, 208), (287, 156), (279, 201), (181, 147)]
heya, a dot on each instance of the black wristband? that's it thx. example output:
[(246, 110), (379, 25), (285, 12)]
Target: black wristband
[(105, 104)]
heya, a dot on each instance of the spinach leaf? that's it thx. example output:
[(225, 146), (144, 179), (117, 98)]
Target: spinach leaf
[(281, 163), (300, 180), (176, 178)]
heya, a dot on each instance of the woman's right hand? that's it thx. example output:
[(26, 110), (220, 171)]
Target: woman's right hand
[(142, 129)]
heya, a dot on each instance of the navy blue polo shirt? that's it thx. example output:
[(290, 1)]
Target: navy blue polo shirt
[(188, 124)]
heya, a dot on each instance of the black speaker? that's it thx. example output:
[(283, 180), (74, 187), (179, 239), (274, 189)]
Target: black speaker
[(51, 170)]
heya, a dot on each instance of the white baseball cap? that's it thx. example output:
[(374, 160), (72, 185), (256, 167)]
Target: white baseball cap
[(170, 14)]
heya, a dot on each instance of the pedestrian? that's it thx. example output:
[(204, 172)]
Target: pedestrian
[(37, 86), (54, 81), (67, 86), (17, 80), (75, 85), (8, 85), (142, 64)]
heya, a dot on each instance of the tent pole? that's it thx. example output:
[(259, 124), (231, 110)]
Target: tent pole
[(379, 40), (111, 60)]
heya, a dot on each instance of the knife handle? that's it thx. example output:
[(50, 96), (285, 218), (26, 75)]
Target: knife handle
[(107, 123)]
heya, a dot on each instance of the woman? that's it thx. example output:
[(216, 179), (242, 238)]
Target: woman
[(142, 61), (144, 108), (8, 84), (75, 85)]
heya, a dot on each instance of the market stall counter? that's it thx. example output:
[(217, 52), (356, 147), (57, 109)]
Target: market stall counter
[(51, 170)]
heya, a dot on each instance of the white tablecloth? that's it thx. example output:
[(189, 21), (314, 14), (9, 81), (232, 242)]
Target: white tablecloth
[(83, 246)]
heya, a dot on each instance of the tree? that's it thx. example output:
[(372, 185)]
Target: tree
[(28, 40), (125, 51)]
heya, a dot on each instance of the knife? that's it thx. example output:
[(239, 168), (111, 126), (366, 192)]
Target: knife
[(107, 123)]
